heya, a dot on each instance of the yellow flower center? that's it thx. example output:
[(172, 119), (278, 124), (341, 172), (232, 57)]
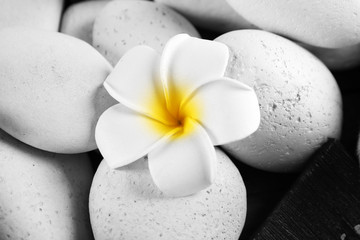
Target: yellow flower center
[(174, 111)]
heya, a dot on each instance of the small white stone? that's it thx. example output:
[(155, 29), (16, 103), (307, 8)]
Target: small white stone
[(125, 204), (78, 19), (122, 25)]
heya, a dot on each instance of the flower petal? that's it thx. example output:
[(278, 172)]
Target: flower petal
[(188, 62), (123, 135), (185, 163), (226, 108), (135, 82)]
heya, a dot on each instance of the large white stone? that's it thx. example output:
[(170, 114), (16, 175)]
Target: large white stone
[(43, 195), (51, 92), (38, 14), (125, 204), (300, 101), (122, 25), (322, 23)]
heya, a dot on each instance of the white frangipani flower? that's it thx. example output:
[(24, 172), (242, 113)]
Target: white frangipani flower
[(175, 108)]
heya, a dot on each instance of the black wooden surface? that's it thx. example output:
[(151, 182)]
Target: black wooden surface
[(323, 203)]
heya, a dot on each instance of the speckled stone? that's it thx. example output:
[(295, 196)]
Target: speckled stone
[(38, 14), (300, 101), (125, 204), (51, 92), (43, 195), (122, 25)]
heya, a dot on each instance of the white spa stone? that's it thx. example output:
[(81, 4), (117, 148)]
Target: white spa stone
[(300, 101), (122, 25), (214, 15), (125, 204), (38, 14), (322, 23), (78, 19), (51, 92), (43, 195)]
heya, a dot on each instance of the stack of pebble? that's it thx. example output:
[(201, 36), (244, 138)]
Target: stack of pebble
[(301, 58)]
